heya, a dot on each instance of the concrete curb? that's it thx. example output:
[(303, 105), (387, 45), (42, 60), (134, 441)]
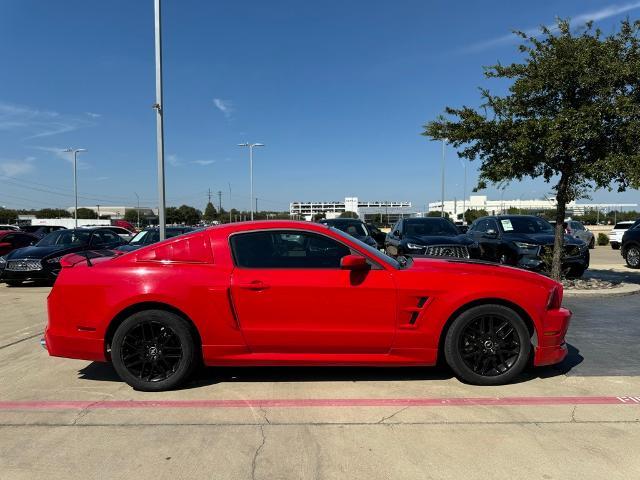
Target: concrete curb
[(620, 290)]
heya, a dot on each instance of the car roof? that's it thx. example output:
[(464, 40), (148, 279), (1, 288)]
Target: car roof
[(625, 222)]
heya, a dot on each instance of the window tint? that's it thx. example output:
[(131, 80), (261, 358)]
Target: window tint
[(484, 225), (286, 249), (103, 238), (20, 241)]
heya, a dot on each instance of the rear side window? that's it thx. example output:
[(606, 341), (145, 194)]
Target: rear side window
[(286, 249)]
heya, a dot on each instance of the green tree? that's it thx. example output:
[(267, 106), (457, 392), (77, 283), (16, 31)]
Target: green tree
[(435, 213), (86, 213), (348, 215), (53, 213), (472, 215), (189, 215), (210, 213), (319, 216), (571, 116)]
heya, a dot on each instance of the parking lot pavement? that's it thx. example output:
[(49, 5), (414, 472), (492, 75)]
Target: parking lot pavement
[(66, 419)]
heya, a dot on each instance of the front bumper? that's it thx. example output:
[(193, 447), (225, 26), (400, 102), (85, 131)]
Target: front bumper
[(552, 347), (25, 275)]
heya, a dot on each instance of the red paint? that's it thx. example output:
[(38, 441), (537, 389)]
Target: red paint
[(315, 402), (292, 316)]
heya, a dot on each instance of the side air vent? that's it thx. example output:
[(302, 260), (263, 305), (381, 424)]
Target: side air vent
[(414, 315)]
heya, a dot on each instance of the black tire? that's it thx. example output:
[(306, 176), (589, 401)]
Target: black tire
[(576, 272), (592, 243), (632, 256), (13, 283), (487, 359), (615, 246), (163, 341)]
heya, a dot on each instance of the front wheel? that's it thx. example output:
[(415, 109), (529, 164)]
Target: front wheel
[(153, 350), (632, 256), (487, 345)]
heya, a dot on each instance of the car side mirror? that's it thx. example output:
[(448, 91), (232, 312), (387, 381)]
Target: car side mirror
[(491, 233), (396, 233), (353, 262)]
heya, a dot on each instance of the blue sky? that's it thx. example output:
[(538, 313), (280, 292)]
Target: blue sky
[(337, 91)]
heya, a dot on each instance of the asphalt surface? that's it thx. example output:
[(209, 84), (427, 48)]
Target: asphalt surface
[(69, 419)]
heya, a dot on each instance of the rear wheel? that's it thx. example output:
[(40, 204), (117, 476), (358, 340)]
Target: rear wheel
[(153, 350), (592, 243), (632, 256), (488, 345)]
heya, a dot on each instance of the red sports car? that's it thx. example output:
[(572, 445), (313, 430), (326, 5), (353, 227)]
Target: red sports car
[(295, 293)]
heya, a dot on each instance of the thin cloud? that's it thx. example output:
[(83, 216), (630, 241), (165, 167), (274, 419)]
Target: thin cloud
[(14, 168), (62, 155), (225, 106), (173, 160), (36, 123), (93, 114), (204, 162), (580, 19)]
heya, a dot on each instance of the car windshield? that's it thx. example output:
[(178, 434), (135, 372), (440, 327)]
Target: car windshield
[(65, 238), (429, 227), (526, 225), (355, 229), (373, 251)]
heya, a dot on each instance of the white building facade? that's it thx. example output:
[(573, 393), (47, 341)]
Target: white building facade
[(385, 209), (497, 207)]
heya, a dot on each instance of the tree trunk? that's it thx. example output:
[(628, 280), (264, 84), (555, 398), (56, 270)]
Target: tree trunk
[(558, 243)]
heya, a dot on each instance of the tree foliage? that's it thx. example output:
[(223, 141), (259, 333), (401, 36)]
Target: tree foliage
[(210, 213), (86, 214), (571, 116), (349, 215)]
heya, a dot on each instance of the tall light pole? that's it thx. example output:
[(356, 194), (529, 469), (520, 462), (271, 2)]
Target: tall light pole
[(75, 152), (230, 217), (251, 145), (159, 121), (444, 141), (137, 209), (464, 194)]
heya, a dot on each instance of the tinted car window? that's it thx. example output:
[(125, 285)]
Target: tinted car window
[(356, 229), (622, 226), (526, 225), (286, 249), (104, 237), (18, 240), (434, 226), (65, 237), (484, 225)]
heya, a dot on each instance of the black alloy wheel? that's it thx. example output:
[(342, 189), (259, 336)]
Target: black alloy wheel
[(633, 256), (488, 345), (153, 350)]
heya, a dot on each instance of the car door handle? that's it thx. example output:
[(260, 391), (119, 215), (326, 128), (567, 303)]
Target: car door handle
[(255, 285)]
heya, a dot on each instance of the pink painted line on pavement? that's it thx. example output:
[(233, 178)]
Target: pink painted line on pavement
[(315, 402)]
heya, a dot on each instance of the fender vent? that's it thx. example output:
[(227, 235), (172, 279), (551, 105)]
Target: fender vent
[(414, 314)]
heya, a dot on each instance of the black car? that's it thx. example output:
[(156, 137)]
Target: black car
[(152, 235), (630, 248), (42, 261), (526, 241), (41, 230), (378, 235), (432, 236), (354, 227)]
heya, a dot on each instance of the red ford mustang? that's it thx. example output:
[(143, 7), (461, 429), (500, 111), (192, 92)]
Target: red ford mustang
[(295, 293)]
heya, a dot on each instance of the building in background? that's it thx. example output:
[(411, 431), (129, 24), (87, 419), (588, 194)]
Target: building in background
[(117, 212), (379, 211), (496, 207)]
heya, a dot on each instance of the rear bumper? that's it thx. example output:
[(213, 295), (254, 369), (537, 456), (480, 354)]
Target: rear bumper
[(552, 347), (77, 346)]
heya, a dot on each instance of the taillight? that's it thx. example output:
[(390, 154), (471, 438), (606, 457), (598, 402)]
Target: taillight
[(555, 298)]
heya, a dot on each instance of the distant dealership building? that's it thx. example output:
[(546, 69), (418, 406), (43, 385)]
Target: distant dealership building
[(117, 212), (387, 211), (496, 207)]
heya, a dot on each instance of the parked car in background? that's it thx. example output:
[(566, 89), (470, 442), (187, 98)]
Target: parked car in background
[(378, 235), (42, 261), (354, 227), (9, 227), (578, 230), (152, 235), (251, 293), (616, 233), (433, 236), (41, 230), (526, 241), (630, 247), (11, 239)]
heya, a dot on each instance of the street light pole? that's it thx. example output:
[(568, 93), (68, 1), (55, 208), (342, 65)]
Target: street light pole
[(444, 140), (230, 216), (75, 152), (159, 121), (137, 209), (251, 145), (464, 196)]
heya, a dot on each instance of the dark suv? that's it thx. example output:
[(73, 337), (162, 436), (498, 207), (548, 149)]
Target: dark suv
[(432, 236), (630, 248), (526, 241)]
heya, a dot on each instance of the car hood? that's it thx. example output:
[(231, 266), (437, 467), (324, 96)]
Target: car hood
[(439, 240), (540, 238), (478, 267), (43, 252)]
